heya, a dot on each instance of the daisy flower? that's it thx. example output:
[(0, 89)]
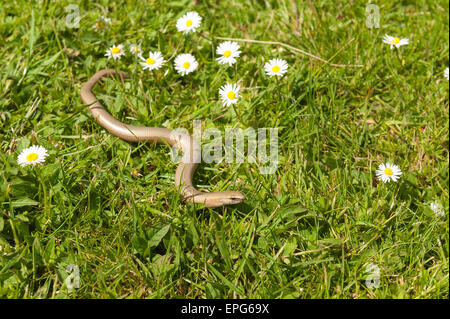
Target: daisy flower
[(115, 52), (228, 52), (107, 20), (98, 26), (388, 172), (446, 73), (154, 61), (395, 41), (276, 67), (189, 22), (229, 93), (32, 155), (135, 49), (101, 23), (136, 173), (437, 208), (185, 63)]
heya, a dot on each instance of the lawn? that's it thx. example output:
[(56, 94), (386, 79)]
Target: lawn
[(101, 217)]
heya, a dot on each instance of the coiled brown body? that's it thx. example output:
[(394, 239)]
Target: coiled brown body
[(190, 148)]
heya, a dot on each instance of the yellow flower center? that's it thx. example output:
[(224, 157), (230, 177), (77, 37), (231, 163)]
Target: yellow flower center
[(136, 49), (275, 69), (186, 65), (395, 40), (227, 53), (231, 95), (150, 61), (100, 25), (32, 157), (388, 171), (188, 23), (115, 50)]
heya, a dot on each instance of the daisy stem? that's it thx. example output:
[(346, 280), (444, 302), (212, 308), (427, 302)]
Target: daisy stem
[(155, 73), (44, 189), (277, 90), (397, 53), (135, 69), (116, 67), (237, 114)]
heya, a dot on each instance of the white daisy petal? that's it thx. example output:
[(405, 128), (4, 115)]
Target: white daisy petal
[(395, 41), (387, 39), (154, 61), (107, 20), (185, 63), (135, 49), (228, 52), (446, 73), (437, 208), (115, 52), (101, 23), (229, 93), (189, 22), (32, 156), (388, 172), (276, 67), (403, 42)]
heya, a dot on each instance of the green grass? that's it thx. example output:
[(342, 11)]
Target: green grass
[(308, 231)]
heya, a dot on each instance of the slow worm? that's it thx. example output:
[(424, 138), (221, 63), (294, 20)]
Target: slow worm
[(189, 147)]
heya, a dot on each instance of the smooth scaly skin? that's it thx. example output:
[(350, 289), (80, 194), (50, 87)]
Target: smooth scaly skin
[(190, 148)]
